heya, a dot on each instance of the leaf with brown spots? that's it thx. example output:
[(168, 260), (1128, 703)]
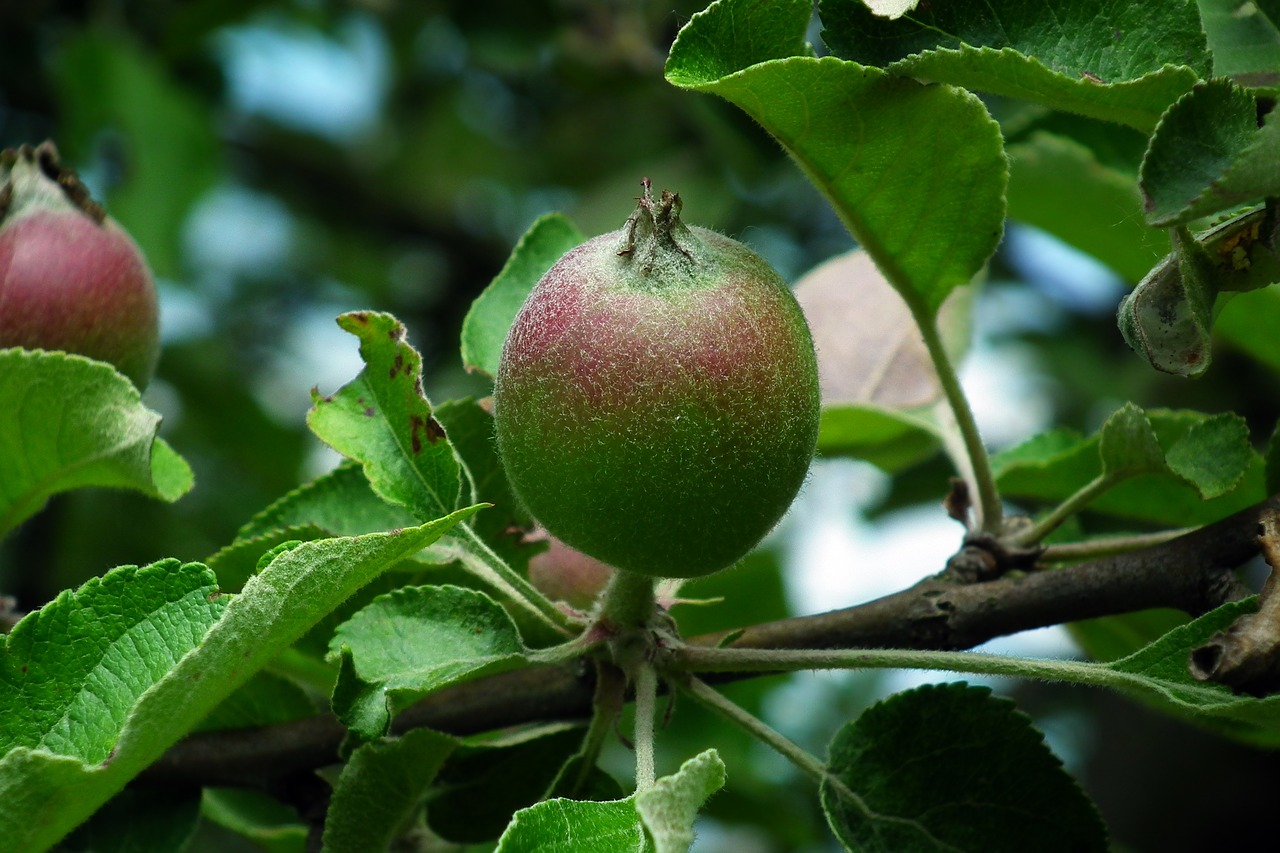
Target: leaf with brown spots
[(382, 420)]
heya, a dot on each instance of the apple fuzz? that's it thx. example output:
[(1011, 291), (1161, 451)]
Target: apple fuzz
[(71, 278), (656, 403)]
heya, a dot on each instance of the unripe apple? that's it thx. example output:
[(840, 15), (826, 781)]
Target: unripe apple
[(71, 279), (566, 574), (656, 404)]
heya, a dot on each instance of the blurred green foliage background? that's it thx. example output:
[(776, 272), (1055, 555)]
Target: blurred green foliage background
[(283, 161)]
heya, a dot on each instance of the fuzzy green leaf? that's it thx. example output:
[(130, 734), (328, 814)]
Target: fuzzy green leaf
[(1160, 675), (670, 807), (72, 670), (150, 690), (927, 207), (1127, 444), (573, 826), (1122, 62), (659, 820), (381, 790), (1209, 155), (485, 328), (414, 641), (71, 422), (952, 768), (1206, 467), (383, 420)]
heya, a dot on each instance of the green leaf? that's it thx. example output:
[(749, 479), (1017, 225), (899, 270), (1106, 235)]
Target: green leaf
[(485, 328), (159, 696), (1053, 178), (470, 430), (73, 669), (264, 700), (952, 768), (1127, 444), (927, 207), (1111, 637), (414, 641), (572, 826), (155, 820), (1205, 468), (892, 441), (1159, 674), (486, 781), (381, 790), (666, 811), (1122, 62), (383, 420), (670, 807), (340, 502), (1244, 39), (70, 422), (1209, 155), (266, 822)]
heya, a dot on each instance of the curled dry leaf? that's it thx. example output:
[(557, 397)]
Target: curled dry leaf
[(869, 349), (1246, 656)]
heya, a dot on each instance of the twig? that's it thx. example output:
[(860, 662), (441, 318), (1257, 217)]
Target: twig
[(1191, 573)]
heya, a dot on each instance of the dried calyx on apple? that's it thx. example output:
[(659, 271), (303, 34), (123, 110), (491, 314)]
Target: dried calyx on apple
[(656, 403), (71, 278)]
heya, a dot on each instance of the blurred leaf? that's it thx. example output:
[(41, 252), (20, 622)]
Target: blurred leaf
[(486, 781), (264, 700), (156, 820), (892, 441), (1123, 63), (141, 696), (927, 207), (71, 422), (1213, 151), (170, 153), (269, 824), (1205, 469), (383, 420), (1244, 39), (1054, 179), (952, 768), (412, 642), (381, 789), (485, 328)]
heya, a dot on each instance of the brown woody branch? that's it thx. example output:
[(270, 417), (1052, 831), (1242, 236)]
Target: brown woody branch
[(1193, 573)]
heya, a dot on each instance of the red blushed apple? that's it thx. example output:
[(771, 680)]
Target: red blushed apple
[(71, 279)]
